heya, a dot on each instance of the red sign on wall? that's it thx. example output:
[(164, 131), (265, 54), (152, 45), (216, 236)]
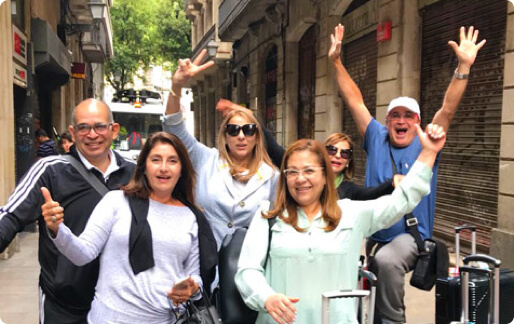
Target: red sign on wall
[(19, 45), (384, 31)]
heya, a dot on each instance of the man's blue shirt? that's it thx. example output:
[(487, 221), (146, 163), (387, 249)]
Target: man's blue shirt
[(378, 169)]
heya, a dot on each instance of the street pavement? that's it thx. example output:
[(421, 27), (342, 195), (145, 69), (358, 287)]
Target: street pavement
[(19, 289)]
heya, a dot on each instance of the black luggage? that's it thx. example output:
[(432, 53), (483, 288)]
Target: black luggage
[(449, 295), (492, 311)]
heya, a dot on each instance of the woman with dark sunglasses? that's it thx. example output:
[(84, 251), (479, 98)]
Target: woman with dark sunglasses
[(339, 147), (234, 178)]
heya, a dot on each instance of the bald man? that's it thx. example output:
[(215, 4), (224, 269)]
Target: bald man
[(66, 291)]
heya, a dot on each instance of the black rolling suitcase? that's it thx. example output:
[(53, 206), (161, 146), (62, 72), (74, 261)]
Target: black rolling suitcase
[(449, 296), (491, 311)]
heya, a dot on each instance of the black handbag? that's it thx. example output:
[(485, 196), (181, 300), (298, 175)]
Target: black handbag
[(433, 260), (232, 308), (200, 312)]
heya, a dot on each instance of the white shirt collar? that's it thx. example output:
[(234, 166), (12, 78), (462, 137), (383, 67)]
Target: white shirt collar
[(113, 166)]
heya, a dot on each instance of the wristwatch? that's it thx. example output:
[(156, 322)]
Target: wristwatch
[(460, 76)]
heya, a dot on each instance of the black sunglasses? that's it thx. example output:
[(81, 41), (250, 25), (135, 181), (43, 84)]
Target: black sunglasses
[(332, 150), (248, 129)]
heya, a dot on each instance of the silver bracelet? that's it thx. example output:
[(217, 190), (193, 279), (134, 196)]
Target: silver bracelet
[(460, 76)]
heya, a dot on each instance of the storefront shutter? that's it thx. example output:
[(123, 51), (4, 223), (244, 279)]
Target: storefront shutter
[(467, 190), (360, 59)]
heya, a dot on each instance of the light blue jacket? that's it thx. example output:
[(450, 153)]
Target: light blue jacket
[(225, 206), (306, 264)]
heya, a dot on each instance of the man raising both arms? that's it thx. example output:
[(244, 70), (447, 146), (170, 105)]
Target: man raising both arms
[(397, 142)]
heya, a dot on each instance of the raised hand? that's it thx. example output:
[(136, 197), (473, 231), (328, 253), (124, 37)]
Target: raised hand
[(225, 106), (433, 138), (334, 53), (187, 69), (468, 48), (281, 308), (52, 212)]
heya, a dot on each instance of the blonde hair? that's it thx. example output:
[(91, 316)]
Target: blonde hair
[(335, 138), (259, 153), (330, 211)]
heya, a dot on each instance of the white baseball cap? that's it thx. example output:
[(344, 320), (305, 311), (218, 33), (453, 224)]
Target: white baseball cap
[(406, 102)]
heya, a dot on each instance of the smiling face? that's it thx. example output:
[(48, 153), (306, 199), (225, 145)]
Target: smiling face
[(400, 125), (93, 145), (240, 147), (307, 187), (337, 162), (163, 168)]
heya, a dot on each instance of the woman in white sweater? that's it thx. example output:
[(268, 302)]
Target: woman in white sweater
[(149, 235)]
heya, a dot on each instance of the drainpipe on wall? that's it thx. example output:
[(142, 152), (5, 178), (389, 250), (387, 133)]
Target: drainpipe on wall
[(283, 26)]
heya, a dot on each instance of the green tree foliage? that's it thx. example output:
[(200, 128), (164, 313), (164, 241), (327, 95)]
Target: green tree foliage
[(144, 33)]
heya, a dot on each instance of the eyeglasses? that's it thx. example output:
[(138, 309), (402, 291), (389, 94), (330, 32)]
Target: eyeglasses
[(344, 153), (248, 129), (84, 129), (293, 174), (407, 115)]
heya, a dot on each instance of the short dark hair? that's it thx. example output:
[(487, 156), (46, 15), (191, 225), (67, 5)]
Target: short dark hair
[(40, 133), (184, 189)]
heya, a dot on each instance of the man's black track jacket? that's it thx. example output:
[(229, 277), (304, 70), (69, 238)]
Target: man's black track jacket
[(71, 286)]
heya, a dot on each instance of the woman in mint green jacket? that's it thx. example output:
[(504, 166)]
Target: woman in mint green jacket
[(316, 239)]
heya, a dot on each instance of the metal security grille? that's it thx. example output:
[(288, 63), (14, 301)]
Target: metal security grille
[(360, 59), (467, 190)]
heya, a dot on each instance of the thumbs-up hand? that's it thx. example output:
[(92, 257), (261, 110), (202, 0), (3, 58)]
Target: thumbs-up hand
[(52, 212)]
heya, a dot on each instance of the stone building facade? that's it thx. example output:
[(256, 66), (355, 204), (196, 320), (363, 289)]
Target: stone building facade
[(43, 43), (272, 58)]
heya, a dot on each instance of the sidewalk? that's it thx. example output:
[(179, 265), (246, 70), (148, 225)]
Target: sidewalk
[(19, 275), (19, 289)]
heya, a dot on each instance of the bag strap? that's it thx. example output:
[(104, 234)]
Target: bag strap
[(88, 176), (410, 221), (271, 222)]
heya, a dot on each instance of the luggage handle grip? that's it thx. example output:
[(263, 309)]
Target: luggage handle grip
[(482, 258), (345, 293), (458, 229), (370, 276), (474, 270)]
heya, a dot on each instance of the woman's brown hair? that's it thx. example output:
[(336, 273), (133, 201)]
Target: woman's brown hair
[(335, 138), (184, 189), (259, 153), (330, 211)]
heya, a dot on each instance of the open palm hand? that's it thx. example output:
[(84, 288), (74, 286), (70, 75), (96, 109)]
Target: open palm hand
[(468, 48)]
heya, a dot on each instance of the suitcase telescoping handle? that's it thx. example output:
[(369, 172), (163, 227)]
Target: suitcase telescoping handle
[(494, 285), (459, 229), (350, 293)]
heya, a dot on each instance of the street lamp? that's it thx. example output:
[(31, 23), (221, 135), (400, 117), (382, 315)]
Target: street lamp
[(97, 9), (212, 48)]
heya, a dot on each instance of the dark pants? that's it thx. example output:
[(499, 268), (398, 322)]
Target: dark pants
[(52, 312)]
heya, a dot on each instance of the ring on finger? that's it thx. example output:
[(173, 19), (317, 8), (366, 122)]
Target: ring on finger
[(54, 219)]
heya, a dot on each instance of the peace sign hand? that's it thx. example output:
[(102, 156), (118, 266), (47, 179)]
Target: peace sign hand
[(187, 70)]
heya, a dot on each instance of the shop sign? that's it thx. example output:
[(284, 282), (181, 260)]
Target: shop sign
[(19, 49), (20, 75), (384, 31), (78, 70)]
